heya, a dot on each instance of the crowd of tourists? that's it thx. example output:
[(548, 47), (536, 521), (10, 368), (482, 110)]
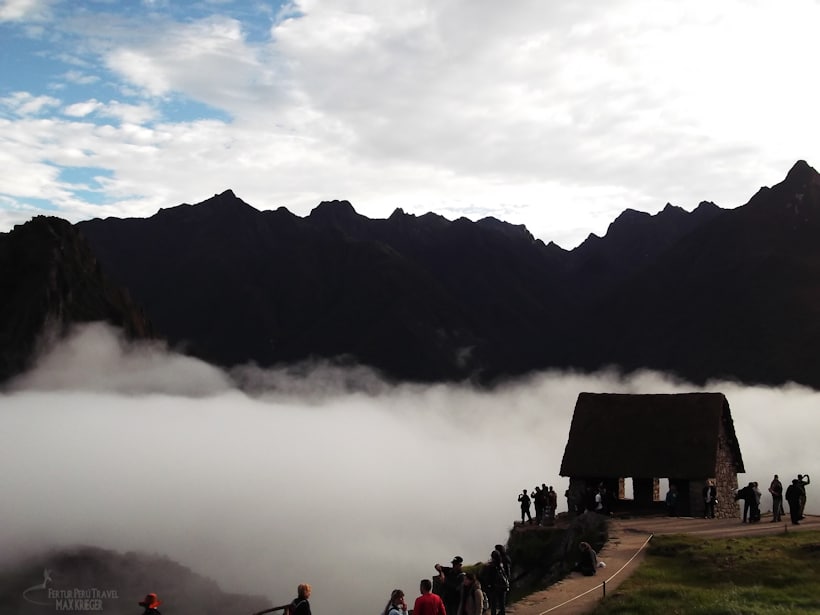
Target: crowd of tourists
[(751, 495), (458, 592), (545, 500), (795, 496)]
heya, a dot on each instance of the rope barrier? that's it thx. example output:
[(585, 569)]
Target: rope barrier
[(602, 584)]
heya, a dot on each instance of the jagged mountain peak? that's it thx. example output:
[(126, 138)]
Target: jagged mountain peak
[(801, 173), (514, 231), (226, 199), (335, 208)]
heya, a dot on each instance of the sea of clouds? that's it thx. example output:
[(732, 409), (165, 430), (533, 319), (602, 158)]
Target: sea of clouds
[(313, 474)]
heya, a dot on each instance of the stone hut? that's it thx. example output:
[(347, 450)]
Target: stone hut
[(686, 438)]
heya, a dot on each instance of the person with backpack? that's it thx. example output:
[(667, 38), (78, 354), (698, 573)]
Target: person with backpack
[(506, 562), (396, 605), (472, 598), (300, 604), (496, 584)]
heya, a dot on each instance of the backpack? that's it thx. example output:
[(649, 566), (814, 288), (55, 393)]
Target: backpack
[(501, 580), (290, 609)]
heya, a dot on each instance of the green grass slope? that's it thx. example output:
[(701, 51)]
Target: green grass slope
[(767, 575)]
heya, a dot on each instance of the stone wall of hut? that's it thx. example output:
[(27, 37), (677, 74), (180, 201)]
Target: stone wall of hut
[(725, 479)]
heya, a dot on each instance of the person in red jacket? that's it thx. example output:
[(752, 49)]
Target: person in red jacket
[(428, 603), (151, 602)]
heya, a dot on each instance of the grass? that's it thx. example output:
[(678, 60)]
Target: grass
[(762, 575)]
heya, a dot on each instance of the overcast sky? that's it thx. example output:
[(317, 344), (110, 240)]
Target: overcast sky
[(556, 115), (356, 490)]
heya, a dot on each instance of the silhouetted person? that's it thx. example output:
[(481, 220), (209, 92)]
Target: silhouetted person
[(672, 501), (776, 489), (747, 494), (150, 602), (709, 500), (539, 500), (754, 515), (496, 582), (552, 497), (804, 481), (428, 603), (524, 500), (793, 498), (506, 562), (451, 580), (573, 504), (299, 606)]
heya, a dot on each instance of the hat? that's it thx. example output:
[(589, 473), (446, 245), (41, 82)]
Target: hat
[(457, 559), (150, 601)]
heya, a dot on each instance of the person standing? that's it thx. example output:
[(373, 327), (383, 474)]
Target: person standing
[(538, 499), (452, 580), (776, 489), (804, 481), (428, 603), (571, 506), (672, 501), (472, 598), (396, 605), (709, 499), (793, 498), (524, 500), (496, 582), (747, 494), (755, 513), (552, 497), (301, 604)]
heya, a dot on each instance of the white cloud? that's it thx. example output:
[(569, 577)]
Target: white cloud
[(82, 109), (25, 104), (560, 116), (330, 462), (19, 10), (80, 78), (173, 58)]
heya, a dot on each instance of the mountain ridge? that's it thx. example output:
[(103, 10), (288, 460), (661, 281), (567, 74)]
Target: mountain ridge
[(424, 298)]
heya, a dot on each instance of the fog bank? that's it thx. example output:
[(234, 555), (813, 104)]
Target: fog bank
[(327, 476)]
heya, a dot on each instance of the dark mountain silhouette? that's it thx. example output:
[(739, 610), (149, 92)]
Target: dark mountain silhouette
[(736, 298), (702, 294), (49, 280), (121, 580)]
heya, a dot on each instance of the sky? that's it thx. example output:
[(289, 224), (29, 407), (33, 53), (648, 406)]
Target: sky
[(325, 476), (555, 115)]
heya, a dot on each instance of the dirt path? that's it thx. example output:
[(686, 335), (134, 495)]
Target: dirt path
[(622, 554)]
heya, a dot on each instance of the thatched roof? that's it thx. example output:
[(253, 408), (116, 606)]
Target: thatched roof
[(660, 436)]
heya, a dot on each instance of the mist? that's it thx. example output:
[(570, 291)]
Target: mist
[(313, 474)]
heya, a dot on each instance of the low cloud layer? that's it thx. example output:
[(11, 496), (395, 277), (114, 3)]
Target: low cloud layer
[(329, 477)]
